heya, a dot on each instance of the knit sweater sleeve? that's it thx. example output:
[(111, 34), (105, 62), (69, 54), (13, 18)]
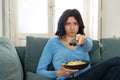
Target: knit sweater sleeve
[(45, 60), (88, 45)]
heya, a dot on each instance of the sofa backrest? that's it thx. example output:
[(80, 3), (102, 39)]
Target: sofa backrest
[(21, 53), (110, 47), (95, 55), (34, 48)]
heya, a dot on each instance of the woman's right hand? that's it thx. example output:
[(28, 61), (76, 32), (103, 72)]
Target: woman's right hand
[(64, 71)]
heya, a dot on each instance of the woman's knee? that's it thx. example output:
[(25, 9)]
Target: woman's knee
[(116, 59)]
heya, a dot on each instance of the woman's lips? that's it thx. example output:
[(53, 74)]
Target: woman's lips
[(72, 32)]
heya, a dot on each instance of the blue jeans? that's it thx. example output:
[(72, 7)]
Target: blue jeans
[(106, 70)]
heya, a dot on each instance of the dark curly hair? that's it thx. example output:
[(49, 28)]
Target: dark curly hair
[(63, 19)]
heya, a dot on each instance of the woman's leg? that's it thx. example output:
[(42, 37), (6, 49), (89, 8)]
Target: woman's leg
[(113, 74), (98, 71)]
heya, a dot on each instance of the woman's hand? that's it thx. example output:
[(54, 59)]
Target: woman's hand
[(64, 72), (81, 39)]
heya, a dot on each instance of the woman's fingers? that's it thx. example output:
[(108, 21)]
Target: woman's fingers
[(81, 39)]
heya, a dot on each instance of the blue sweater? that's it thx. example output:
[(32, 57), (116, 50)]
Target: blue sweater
[(57, 53)]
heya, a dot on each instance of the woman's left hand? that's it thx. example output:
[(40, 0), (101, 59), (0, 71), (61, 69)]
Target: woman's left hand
[(81, 39), (64, 71)]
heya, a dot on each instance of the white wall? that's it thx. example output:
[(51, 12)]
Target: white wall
[(111, 18), (0, 17)]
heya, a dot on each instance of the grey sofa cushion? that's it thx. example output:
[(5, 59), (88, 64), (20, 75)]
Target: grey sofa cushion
[(110, 48), (95, 53), (33, 50), (33, 76), (10, 66)]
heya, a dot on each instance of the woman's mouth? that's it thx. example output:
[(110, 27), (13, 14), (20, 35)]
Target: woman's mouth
[(72, 32)]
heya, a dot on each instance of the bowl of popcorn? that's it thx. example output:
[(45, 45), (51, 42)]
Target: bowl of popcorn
[(79, 64)]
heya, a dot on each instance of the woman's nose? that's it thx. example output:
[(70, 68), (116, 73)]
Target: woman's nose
[(72, 26)]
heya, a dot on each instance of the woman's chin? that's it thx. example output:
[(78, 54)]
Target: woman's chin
[(73, 36)]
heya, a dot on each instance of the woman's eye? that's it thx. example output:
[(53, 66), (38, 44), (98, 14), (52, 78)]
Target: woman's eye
[(75, 23), (72, 24)]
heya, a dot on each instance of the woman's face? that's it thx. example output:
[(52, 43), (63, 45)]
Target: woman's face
[(71, 27)]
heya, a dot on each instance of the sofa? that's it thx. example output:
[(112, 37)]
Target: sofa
[(29, 54)]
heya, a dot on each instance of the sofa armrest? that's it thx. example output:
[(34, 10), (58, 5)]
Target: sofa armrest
[(33, 76)]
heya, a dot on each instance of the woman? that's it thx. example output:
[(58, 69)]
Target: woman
[(59, 51)]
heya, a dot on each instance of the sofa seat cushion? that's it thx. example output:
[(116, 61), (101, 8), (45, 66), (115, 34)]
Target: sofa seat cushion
[(110, 47), (34, 76), (10, 66)]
